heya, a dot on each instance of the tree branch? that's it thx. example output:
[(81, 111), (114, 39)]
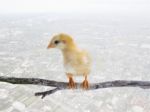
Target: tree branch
[(45, 93), (64, 85)]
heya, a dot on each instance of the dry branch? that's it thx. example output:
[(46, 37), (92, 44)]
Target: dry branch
[(64, 85)]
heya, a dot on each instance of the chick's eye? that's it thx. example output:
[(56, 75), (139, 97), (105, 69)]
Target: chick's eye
[(56, 41)]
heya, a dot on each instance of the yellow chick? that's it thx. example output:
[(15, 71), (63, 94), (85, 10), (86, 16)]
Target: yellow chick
[(76, 61)]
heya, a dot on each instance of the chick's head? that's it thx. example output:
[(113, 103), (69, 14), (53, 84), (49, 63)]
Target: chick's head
[(61, 41)]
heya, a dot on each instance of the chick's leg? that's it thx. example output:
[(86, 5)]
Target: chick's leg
[(71, 83), (85, 84)]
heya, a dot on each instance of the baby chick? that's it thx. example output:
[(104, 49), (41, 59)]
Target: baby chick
[(76, 61)]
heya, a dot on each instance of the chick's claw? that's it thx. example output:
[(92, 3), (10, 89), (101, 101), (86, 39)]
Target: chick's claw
[(85, 85), (71, 84)]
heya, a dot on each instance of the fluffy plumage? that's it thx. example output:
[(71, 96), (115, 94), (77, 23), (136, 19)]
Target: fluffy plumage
[(76, 61)]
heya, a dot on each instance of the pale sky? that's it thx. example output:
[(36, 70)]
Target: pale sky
[(19, 6)]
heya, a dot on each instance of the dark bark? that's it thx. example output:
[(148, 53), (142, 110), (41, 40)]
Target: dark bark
[(64, 85)]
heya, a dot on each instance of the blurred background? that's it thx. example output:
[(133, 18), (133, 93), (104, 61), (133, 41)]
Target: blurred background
[(78, 6), (115, 32)]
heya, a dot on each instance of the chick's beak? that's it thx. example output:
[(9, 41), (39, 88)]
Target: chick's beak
[(50, 46)]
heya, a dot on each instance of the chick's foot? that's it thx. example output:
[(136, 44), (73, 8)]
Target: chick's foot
[(71, 84), (85, 85)]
